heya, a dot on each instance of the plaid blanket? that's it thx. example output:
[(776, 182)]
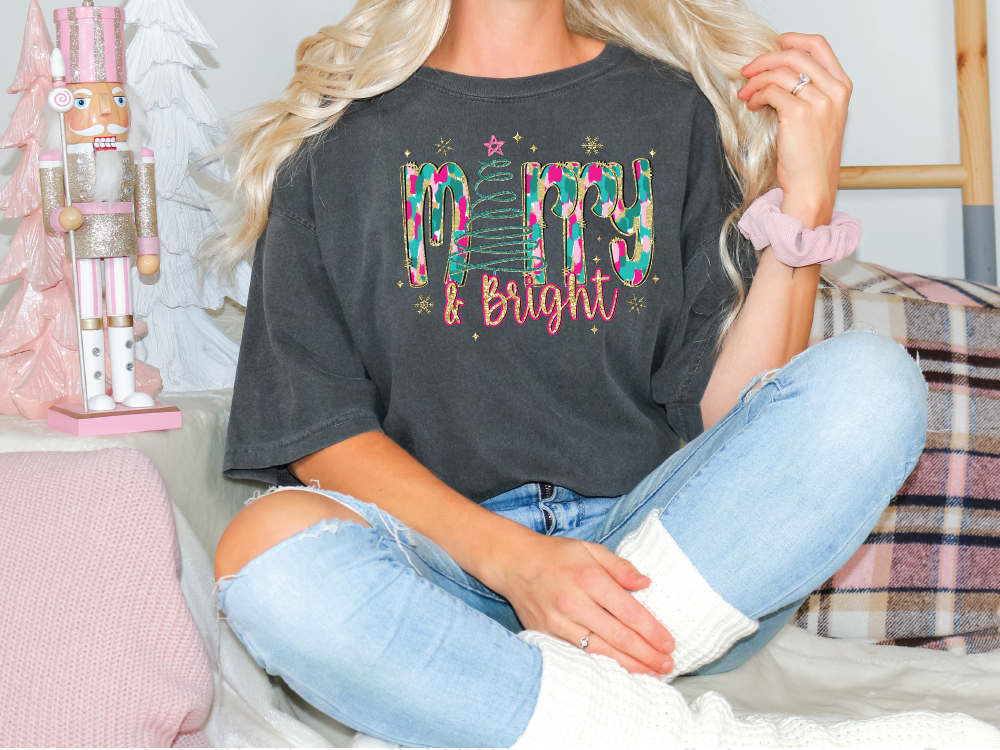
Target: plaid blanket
[(868, 277), (929, 574)]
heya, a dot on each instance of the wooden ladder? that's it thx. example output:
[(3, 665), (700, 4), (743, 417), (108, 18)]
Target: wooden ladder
[(975, 174)]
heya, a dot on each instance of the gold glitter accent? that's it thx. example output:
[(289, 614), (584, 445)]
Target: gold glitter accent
[(145, 201), (635, 304), (534, 148), (592, 145), (119, 57), (74, 46), (119, 321), (407, 153), (475, 337), (655, 279), (82, 177), (53, 193), (97, 28), (106, 236), (652, 153), (452, 304), (442, 146), (595, 329), (125, 194), (518, 137), (424, 305), (597, 259), (91, 324), (399, 284)]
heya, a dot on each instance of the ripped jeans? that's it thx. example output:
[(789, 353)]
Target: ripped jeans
[(381, 629)]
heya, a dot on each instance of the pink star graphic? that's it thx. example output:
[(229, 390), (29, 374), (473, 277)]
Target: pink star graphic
[(494, 146)]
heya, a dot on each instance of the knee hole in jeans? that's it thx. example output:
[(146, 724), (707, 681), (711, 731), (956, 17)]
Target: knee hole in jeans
[(271, 519)]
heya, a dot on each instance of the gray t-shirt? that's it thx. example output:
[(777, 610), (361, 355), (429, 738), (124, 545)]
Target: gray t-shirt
[(473, 267)]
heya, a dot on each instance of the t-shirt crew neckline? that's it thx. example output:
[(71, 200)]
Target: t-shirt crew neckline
[(517, 88)]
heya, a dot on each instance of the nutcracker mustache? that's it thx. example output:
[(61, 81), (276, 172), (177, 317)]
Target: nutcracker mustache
[(98, 129), (107, 180)]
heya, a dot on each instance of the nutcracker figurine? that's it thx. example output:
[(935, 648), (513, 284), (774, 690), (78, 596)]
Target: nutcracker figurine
[(99, 192)]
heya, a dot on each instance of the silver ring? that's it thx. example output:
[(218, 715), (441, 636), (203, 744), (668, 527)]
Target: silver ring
[(804, 80), (585, 640)]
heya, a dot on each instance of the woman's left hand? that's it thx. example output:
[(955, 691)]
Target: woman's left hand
[(810, 123)]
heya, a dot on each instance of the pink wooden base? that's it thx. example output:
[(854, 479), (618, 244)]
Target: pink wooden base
[(71, 418)]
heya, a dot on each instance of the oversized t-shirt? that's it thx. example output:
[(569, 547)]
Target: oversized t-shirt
[(517, 280)]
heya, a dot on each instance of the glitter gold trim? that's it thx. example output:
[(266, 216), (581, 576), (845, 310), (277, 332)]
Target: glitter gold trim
[(97, 29), (128, 177), (119, 321), (82, 176), (106, 236), (74, 46), (145, 200), (91, 324), (53, 193), (119, 57)]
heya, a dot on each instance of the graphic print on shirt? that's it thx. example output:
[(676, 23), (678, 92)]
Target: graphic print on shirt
[(500, 232)]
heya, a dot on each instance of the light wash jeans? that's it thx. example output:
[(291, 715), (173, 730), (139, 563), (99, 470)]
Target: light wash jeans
[(381, 629)]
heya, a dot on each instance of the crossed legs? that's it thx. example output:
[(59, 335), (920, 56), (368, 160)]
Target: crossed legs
[(377, 626)]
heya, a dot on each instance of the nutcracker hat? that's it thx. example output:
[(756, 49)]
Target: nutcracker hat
[(91, 39)]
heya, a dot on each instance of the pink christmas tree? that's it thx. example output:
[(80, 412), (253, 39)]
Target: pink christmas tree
[(39, 365)]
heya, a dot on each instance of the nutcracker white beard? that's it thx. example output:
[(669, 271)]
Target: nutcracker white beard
[(109, 171)]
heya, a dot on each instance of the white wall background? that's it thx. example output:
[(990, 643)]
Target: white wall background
[(900, 54)]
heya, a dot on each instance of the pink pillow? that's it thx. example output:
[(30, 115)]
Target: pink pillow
[(97, 645)]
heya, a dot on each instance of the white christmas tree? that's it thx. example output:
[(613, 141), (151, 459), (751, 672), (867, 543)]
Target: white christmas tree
[(190, 350)]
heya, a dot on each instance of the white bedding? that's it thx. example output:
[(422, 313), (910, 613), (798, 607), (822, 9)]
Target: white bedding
[(798, 673)]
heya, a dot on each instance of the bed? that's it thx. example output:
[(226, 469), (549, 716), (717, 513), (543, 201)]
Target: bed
[(798, 673)]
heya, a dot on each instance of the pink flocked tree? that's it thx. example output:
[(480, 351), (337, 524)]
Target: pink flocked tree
[(39, 365)]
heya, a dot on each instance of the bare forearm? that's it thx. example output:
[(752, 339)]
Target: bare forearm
[(773, 325), (560, 586), (772, 328), (373, 468)]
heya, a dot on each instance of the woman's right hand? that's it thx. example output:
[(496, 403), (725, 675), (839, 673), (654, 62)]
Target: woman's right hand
[(563, 587), (569, 589)]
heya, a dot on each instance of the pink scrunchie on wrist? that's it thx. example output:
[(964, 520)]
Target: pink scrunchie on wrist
[(764, 224)]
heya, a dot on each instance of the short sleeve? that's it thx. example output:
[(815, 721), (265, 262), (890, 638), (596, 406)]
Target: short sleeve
[(710, 196), (300, 383)]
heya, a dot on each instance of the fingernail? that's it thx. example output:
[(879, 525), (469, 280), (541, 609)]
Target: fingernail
[(667, 647), (653, 674), (668, 666), (640, 577)]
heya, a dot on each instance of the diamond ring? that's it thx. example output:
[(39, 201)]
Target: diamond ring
[(803, 81), (585, 640)]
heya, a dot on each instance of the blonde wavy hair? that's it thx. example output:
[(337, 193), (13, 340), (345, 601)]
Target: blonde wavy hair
[(381, 43)]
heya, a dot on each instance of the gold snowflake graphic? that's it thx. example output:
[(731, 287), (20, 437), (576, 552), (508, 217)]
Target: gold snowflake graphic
[(424, 305), (592, 145), (635, 304), (443, 147)]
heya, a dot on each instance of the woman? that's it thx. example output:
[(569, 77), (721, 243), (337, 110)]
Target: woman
[(492, 401)]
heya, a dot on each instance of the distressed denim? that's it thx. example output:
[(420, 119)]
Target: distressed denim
[(380, 628)]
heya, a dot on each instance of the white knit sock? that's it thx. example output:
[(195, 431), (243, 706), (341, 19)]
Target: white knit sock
[(703, 625), (588, 701)]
